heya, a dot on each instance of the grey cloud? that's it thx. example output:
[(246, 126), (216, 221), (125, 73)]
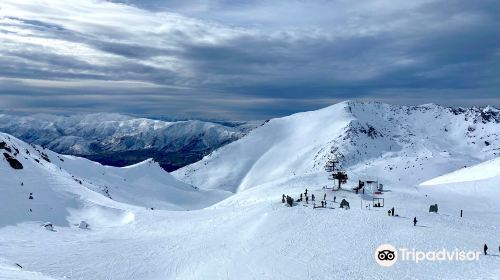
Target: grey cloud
[(418, 52)]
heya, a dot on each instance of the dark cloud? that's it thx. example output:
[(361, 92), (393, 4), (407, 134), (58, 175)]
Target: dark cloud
[(245, 59)]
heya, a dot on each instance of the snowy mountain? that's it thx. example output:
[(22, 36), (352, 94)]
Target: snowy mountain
[(240, 228), (120, 140), (39, 185), (401, 144)]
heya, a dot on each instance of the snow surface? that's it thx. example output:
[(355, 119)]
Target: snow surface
[(483, 171), (476, 188), (11, 271), (251, 234), (68, 189)]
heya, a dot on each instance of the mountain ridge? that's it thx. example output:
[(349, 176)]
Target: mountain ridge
[(359, 133), (120, 140)]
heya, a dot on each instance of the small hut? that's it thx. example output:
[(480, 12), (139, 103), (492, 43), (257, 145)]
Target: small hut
[(344, 204), (433, 208)]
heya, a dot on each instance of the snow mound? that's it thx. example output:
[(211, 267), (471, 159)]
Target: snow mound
[(483, 171), (470, 186)]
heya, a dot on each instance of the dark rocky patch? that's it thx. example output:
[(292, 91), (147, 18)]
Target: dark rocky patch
[(45, 157), (4, 146), (14, 163)]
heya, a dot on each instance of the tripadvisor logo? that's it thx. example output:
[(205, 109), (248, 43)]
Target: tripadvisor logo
[(386, 255)]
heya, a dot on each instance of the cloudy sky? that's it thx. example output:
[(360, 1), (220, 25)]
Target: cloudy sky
[(244, 59)]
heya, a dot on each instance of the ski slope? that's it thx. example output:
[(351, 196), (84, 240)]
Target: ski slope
[(475, 188), (371, 139), (12, 271), (237, 227), (278, 149), (66, 188), (488, 170)]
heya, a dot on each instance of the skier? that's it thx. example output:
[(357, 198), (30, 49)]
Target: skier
[(392, 211), (31, 196), (312, 197), (389, 212), (415, 221), (322, 204), (306, 192), (363, 190), (324, 197), (485, 249), (300, 196), (334, 198), (307, 199), (283, 199)]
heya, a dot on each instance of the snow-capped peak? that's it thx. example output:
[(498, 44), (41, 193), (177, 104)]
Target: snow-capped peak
[(361, 134)]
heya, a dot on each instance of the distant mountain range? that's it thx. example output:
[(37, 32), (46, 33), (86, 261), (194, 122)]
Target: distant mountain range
[(120, 140)]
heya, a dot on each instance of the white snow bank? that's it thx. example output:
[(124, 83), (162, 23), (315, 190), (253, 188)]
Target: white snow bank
[(12, 271), (485, 170)]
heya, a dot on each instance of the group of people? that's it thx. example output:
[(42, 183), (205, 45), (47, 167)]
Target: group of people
[(306, 196)]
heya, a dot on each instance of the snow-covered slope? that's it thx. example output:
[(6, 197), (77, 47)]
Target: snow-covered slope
[(13, 271), (251, 234), (403, 145), (488, 170), (476, 187), (69, 189), (120, 140)]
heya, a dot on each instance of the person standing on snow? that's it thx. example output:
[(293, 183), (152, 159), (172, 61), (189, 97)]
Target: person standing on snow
[(324, 197), (312, 197), (415, 222), (307, 199), (334, 198), (485, 248), (305, 192)]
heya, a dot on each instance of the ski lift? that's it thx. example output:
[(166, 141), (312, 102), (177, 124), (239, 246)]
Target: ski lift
[(341, 176)]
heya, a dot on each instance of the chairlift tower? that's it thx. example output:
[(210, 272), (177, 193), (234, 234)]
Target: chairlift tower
[(338, 175)]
